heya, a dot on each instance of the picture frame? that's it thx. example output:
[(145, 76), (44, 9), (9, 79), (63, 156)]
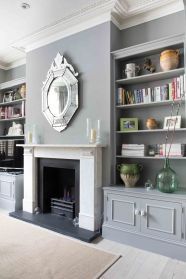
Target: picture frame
[(169, 122), (128, 124)]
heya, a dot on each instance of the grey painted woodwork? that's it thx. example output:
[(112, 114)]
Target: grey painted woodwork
[(158, 110), (11, 191), (155, 218)]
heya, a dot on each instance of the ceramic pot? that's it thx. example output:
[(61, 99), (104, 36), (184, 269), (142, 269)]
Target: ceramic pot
[(169, 59), (151, 123), (129, 180), (129, 173)]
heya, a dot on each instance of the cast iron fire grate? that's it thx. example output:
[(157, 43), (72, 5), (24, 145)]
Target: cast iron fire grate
[(63, 208)]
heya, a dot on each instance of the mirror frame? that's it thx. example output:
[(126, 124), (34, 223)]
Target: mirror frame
[(61, 68)]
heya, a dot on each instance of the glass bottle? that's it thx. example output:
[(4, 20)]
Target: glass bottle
[(166, 179)]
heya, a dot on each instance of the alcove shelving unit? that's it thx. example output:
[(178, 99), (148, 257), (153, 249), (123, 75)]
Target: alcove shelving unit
[(12, 109), (19, 104), (147, 219), (143, 110)]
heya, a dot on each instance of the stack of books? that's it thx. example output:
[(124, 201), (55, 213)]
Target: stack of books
[(133, 150), (177, 150)]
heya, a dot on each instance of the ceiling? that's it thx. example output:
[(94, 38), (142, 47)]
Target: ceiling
[(47, 20)]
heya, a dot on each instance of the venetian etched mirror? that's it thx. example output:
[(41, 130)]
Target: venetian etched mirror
[(60, 93)]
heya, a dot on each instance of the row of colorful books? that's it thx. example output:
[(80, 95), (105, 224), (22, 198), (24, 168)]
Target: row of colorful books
[(170, 91)]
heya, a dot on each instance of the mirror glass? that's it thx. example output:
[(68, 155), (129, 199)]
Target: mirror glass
[(57, 96)]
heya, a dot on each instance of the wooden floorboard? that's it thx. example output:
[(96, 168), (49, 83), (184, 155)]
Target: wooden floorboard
[(140, 264)]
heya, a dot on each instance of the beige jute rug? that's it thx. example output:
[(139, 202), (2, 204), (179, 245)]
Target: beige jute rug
[(31, 252)]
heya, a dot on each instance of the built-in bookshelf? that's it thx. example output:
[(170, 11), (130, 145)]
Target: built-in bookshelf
[(12, 120), (147, 95), (12, 107)]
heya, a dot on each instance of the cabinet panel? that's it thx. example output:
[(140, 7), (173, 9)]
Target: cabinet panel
[(6, 189), (161, 219), (121, 212)]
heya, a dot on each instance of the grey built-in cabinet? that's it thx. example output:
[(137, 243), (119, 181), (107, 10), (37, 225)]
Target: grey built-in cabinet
[(135, 216), (146, 219), (11, 191)]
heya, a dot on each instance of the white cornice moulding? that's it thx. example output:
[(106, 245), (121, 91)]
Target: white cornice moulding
[(14, 64), (81, 20), (150, 6), (2, 67), (152, 15), (120, 12), (68, 32)]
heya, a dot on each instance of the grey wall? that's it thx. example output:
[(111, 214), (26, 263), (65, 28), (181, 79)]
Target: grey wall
[(89, 53), (14, 73), (163, 27), (116, 37)]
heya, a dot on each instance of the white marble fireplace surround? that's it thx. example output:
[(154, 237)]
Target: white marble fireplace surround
[(90, 156)]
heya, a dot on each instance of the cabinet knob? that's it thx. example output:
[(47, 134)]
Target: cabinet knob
[(143, 213), (137, 212)]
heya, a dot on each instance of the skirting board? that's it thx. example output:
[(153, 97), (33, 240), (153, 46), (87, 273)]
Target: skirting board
[(145, 243)]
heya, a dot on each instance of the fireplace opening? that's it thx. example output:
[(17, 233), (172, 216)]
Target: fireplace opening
[(58, 191)]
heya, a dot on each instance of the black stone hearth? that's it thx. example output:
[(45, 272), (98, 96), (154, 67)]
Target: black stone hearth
[(56, 223)]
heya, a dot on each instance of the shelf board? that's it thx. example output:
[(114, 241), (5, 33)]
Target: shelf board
[(12, 137), (12, 102), (12, 83), (152, 104), (12, 119), (149, 157), (151, 77), (150, 131)]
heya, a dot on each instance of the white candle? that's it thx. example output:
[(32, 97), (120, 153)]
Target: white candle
[(98, 129), (29, 137), (92, 135)]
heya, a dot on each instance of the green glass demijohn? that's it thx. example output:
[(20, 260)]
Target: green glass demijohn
[(166, 179)]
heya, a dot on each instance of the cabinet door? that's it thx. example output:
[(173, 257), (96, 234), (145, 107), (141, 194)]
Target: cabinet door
[(122, 212), (161, 219), (6, 188)]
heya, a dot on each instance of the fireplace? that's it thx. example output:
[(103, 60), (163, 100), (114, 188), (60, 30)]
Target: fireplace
[(58, 187), (88, 198)]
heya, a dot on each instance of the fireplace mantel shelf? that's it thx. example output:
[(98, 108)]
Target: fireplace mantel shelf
[(63, 145)]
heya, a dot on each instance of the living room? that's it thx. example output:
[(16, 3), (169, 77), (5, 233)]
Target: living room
[(87, 45)]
